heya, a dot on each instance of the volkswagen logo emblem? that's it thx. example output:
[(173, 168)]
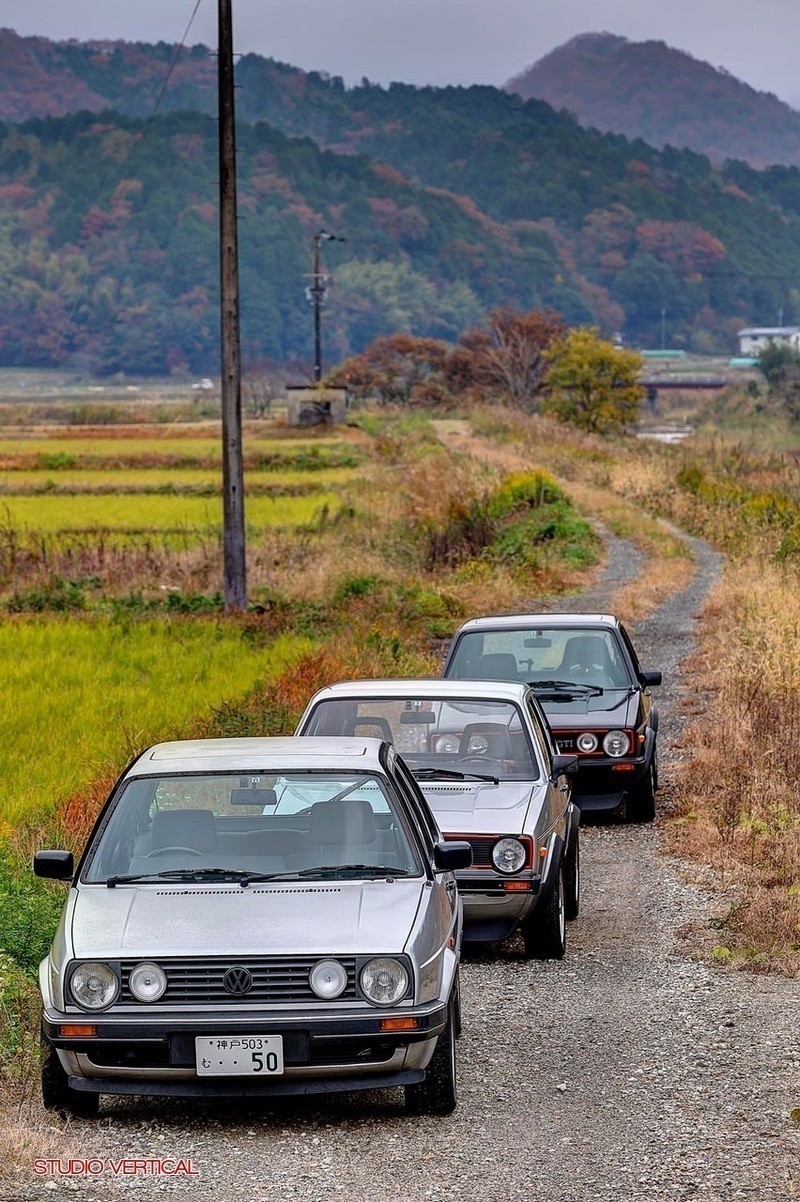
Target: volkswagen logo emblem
[(238, 981)]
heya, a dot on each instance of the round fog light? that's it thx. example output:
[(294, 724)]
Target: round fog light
[(328, 979), (587, 742), (508, 855), (147, 982)]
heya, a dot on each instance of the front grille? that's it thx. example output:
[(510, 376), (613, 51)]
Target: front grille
[(274, 980), (481, 848)]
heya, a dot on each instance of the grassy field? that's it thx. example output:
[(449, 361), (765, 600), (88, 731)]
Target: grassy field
[(79, 695), (152, 512), (177, 479)]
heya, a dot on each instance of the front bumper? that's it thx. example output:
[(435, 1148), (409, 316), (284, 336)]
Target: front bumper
[(601, 785), (155, 1054), (490, 911)]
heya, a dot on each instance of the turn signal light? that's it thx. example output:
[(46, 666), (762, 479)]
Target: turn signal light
[(399, 1024), (517, 886), (77, 1031), (623, 767)]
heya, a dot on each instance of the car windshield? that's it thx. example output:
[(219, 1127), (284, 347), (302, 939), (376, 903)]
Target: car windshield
[(462, 735), (544, 657), (252, 823)]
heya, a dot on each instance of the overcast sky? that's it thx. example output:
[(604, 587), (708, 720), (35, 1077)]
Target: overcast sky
[(444, 41)]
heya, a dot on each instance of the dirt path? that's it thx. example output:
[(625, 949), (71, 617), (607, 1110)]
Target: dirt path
[(626, 1072)]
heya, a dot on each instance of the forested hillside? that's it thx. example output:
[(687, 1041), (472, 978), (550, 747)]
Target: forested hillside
[(451, 200), (650, 90)]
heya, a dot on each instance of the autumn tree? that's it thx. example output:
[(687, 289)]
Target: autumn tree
[(506, 359), (591, 383), (398, 369)]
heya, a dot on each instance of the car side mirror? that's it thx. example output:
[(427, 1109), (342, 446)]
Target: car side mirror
[(452, 854), (563, 765), (54, 865), (650, 678)]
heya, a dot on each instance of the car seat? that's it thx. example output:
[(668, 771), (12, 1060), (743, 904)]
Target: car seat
[(500, 666)]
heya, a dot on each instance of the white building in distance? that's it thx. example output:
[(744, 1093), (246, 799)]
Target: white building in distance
[(755, 339)]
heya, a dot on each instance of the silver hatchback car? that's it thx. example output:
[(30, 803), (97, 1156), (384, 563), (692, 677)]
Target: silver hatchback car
[(483, 755), (256, 917)]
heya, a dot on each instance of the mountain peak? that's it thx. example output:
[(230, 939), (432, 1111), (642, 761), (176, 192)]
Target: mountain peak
[(653, 91)]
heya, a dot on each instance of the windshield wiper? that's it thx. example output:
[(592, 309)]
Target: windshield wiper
[(564, 686), (329, 870), (451, 774), (178, 874)]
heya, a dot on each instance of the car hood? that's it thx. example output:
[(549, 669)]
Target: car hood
[(473, 807), (608, 712), (343, 917)]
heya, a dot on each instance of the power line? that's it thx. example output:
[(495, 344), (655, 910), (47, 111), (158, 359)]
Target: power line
[(176, 56)]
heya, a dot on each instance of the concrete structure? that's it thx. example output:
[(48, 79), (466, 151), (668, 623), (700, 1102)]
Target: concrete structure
[(316, 405), (755, 339)]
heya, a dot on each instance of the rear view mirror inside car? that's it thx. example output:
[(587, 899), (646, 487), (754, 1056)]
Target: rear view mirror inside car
[(254, 797), (417, 718), (538, 642)]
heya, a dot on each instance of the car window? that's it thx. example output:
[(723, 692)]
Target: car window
[(243, 822), (457, 734), (578, 655)]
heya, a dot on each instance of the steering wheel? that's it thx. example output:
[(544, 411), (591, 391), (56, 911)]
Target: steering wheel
[(162, 851)]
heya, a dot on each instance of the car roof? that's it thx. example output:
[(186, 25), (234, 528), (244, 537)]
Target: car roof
[(480, 690), (258, 755), (521, 621)]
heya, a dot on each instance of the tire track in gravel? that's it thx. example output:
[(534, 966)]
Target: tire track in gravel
[(625, 1072)]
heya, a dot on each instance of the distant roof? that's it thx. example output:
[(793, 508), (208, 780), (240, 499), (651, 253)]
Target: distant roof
[(258, 755), (521, 621), (769, 331), (480, 690)]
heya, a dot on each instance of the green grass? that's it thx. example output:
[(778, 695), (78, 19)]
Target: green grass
[(203, 446), (159, 479), (79, 694), (145, 512)]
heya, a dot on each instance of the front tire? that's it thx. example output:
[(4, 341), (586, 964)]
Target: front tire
[(572, 881), (58, 1094), (545, 931), (641, 805), (438, 1093)]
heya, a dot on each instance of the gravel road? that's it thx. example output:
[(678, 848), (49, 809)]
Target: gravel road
[(627, 1071)]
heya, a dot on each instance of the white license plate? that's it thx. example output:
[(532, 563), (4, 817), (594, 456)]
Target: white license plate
[(239, 1055)]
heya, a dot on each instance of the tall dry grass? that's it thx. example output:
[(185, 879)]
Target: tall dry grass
[(738, 808)]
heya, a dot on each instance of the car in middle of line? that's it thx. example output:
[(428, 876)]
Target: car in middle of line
[(483, 756)]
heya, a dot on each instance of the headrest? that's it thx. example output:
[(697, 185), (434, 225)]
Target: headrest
[(185, 828), (342, 822), (589, 650), (370, 727), (485, 738), (501, 666)]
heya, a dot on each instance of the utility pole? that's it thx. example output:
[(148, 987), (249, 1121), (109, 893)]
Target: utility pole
[(234, 564), (317, 293), (663, 329)]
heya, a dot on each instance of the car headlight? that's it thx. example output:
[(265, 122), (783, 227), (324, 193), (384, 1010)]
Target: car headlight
[(94, 986), (508, 855), (445, 744), (328, 979), (147, 982), (616, 743), (587, 742), (384, 981)]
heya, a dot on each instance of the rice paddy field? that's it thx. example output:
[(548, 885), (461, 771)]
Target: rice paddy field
[(111, 634)]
